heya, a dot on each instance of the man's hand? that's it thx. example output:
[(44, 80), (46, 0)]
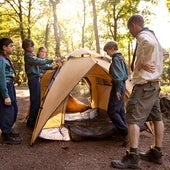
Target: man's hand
[(7, 101), (118, 95), (149, 68)]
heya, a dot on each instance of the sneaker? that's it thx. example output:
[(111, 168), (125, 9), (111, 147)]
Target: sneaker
[(130, 160), (10, 139), (153, 155), (13, 134)]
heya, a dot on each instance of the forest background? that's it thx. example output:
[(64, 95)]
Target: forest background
[(65, 25)]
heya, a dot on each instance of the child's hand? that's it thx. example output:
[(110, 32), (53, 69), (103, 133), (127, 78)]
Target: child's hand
[(119, 96), (7, 101)]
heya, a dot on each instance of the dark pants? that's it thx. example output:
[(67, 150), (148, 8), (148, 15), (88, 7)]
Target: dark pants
[(34, 88), (116, 111), (8, 114)]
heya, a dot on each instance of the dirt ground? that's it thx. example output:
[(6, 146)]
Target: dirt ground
[(69, 155)]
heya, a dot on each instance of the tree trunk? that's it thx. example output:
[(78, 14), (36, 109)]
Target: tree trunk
[(56, 26), (47, 30), (29, 18), (84, 21), (21, 21), (95, 26)]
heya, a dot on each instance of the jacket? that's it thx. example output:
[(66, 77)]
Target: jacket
[(32, 64), (6, 75), (118, 71)]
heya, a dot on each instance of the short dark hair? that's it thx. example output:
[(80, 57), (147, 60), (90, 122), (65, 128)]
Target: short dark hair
[(136, 19), (111, 44), (5, 41), (27, 43)]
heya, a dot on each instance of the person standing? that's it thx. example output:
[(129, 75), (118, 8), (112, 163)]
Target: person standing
[(32, 64), (42, 53), (143, 103), (8, 102), (119, 74)]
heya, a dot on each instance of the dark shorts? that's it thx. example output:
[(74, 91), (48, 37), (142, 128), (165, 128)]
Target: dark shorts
[(144, 104)]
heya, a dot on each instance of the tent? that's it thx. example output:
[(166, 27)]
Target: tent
[(57, 86)]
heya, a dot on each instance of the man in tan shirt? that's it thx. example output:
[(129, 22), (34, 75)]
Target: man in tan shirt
[(143, 103)]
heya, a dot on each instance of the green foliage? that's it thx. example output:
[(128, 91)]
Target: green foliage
[(168, 4), (166, 73), (112, 19)]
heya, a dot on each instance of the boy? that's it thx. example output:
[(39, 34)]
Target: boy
[(119, 74), (8, 104), (32, 64)]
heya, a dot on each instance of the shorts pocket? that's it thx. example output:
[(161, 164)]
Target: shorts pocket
[(131, 105), (148, 92)]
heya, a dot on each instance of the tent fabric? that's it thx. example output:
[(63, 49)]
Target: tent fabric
[(57, 93), (82, 52)]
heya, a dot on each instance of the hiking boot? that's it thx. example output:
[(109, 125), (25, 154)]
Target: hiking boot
[(130, 160), (153, 155), (10, 139)]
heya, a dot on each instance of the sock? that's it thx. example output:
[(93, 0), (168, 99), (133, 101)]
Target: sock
[(157, 148), (135, 150)]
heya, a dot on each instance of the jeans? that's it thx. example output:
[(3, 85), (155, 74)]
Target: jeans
[(116, 111), (8, 114), (34, 88)]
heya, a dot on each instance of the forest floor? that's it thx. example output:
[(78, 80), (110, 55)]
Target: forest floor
[(69, 155)]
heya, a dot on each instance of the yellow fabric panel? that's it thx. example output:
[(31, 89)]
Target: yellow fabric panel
[(45, 81), (55, 121), (103, 96)]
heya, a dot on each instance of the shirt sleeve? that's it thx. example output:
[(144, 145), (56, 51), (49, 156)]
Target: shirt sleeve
[(33, 60), (46, 67), (118, 72), (3, 87)]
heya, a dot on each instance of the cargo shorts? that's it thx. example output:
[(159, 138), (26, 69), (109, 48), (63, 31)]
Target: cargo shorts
[(144, 104)]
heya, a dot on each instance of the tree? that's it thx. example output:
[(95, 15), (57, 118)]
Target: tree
[(84, 22), (56, 26), (95, 26), (116, 14), (24, 14)]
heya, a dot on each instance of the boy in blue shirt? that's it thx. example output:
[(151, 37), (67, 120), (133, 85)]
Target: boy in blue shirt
[(119, 75), (32, 64), (8, 103)]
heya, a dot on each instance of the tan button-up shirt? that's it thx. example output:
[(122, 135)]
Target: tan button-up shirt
[(149, 51)]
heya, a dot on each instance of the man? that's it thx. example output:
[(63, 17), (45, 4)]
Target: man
[(119, 74), (143, 103)]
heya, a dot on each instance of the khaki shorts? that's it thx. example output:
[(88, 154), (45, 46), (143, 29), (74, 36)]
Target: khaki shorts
[(144, 104)]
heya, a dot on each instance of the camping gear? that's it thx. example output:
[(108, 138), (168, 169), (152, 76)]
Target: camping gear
[(57, 86)]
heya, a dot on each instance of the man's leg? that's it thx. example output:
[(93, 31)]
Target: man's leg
[(154, 154), (133, 131), (159, 133), (131, 159)]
